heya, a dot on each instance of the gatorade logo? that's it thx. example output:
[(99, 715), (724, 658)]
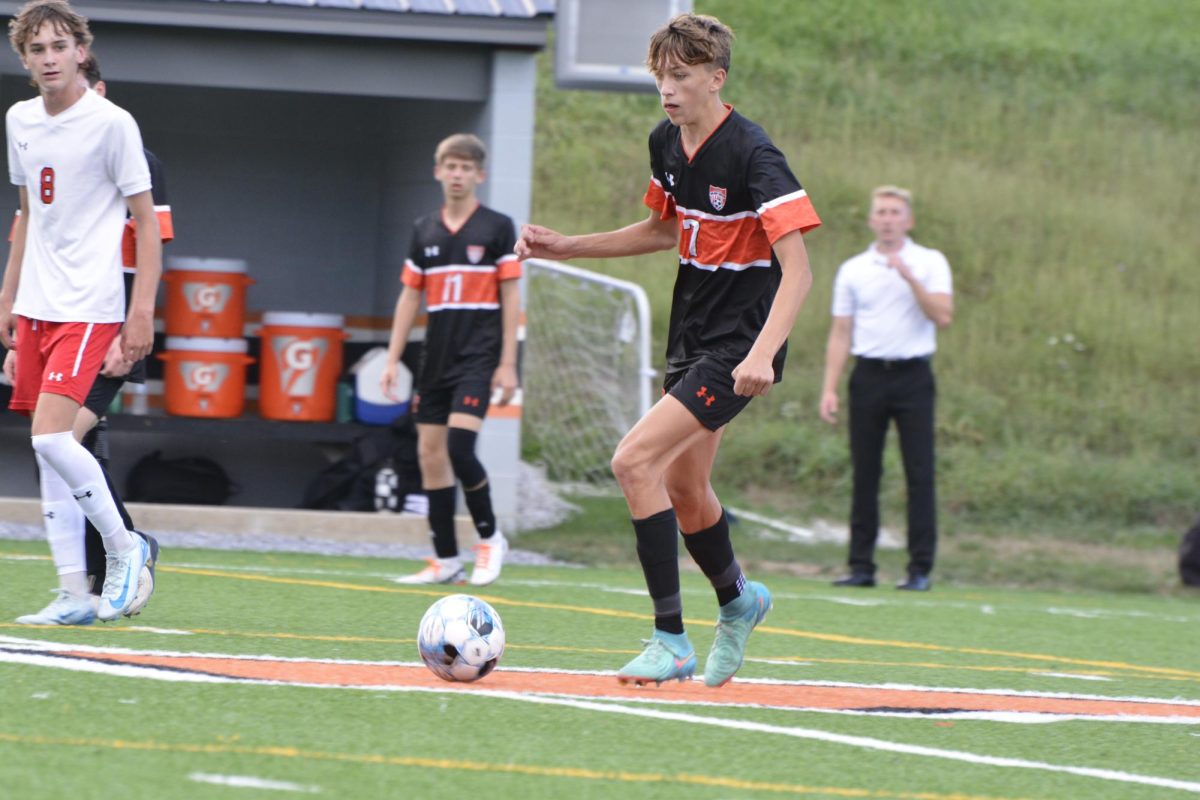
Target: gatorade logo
[(299, 359), (207, 298), (202, 376)]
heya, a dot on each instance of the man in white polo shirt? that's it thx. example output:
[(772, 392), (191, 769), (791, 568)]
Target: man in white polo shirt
[(888, 303), (78, 163)]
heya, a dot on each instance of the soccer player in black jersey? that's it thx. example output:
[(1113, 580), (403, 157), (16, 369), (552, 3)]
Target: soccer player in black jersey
[(462, 259), (721, 194)]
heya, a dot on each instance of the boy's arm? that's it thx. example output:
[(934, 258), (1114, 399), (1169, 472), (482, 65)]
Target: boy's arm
[(755, 375), (647, 236), (137, 335), (505, 377), (12, 270), (407, 306)]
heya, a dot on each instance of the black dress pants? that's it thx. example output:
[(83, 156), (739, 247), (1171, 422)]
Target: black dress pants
[(882, 391)]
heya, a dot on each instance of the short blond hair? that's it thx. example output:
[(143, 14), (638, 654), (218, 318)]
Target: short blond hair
[(466, 146), (36, 13), (690, 39), (894, 191)]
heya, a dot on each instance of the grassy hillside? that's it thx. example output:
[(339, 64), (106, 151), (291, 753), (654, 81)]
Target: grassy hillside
[(1051, 145)]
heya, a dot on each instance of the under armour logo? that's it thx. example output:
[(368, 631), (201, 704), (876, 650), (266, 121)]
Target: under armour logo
[(49, 515), (432, 251), (83, 496), (670, 179), (709, 399), (473, 402), (23, 145), (55, 376)]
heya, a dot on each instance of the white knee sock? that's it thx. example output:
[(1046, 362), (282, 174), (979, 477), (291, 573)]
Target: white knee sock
[(78, 468), (64, 529)]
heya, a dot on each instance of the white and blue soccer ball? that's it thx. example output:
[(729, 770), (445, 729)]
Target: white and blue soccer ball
[(461, 638)]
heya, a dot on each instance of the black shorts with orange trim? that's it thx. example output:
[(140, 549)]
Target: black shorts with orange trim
[(470, 395), (706, 389)]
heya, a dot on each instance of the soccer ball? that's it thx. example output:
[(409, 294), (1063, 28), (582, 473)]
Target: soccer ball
[(461, 638)]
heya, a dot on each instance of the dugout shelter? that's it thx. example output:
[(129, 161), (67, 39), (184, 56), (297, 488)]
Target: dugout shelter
[(298, 135)]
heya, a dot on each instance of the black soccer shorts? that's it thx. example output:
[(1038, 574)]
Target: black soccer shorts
[(706, 389)]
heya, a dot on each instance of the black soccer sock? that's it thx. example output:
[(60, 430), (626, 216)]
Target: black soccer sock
[(712, 551), (658, 550), (479, 503), (441, 520)]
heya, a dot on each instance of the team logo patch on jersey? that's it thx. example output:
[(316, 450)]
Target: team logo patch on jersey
[(716, 196), (475, 253)]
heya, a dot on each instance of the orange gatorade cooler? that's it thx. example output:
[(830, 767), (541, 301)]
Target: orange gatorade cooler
[(206, 297), (301, 362), (204, 377)]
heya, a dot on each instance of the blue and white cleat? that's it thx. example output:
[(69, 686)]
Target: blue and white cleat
[(146, 580), (67, 608), (122, 571), (664, 657), (734, 624)]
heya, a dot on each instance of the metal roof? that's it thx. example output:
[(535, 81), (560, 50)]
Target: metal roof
[(481, 8), (504, 23)]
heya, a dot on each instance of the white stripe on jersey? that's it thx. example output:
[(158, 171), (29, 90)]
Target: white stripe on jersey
[(688, 212), (464, 307), (460, 268), (778, 201), (729, 265), (162, 208), (87, 334)]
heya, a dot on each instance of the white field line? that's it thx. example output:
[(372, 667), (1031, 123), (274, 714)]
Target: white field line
[(249, 782), (59, 647), (868, 743), (49, 657)]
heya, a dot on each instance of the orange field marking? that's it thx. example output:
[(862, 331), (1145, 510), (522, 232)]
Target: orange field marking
[(768, 695)]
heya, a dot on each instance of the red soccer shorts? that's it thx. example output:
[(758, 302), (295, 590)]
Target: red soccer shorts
[(58, 358)]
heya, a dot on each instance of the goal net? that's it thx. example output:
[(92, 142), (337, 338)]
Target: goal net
[(586, 372)]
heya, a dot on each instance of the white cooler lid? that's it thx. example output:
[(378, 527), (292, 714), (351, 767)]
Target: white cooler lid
[(300, 319), (206, 264), (206, 344)]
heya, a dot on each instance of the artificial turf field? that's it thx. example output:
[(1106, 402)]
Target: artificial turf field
[(254, 675)]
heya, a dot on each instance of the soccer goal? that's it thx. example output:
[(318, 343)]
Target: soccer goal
[(587, 375)]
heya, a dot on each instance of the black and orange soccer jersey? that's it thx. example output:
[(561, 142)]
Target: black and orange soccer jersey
[(733, 199), (460, 273)]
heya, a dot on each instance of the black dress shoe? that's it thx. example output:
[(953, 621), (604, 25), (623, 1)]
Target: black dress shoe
[(917, 582), (863, 580)]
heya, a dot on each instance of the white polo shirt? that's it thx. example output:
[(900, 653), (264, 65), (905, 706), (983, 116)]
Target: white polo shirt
[(888, 322), (78, 167)]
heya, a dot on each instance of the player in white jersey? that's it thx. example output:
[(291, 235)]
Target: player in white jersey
[(78, 163)]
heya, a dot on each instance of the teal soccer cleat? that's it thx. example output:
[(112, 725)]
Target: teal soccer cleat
[(734, 624), (665, 657)]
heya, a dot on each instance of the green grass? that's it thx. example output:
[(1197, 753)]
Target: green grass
[(1051, 147), (79, 734)]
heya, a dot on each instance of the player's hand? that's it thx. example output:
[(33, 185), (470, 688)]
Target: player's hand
[(10, 366), (387, 380), (504, 380), (894, 261), (539, 242), (115, 365), (753, 377), (137, 337), (829, 407)]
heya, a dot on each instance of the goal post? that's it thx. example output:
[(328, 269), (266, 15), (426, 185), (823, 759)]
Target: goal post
[(586, 368)]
